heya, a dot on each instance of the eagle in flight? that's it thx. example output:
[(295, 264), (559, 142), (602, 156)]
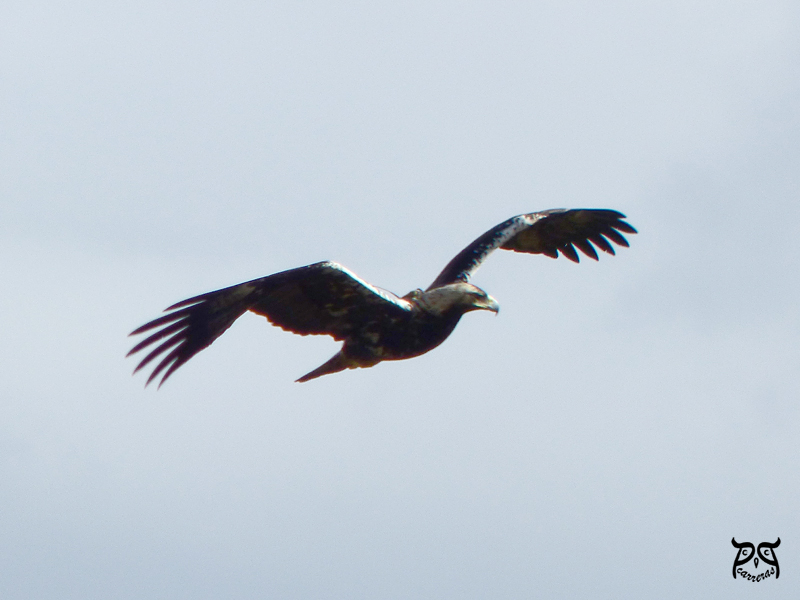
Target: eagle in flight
[(375, 325)]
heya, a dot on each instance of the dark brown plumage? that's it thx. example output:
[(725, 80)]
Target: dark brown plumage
[(375, 325)]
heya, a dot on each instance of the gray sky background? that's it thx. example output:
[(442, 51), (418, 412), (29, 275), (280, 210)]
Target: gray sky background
[(605, 436)]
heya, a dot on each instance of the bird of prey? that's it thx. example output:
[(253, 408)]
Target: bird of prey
[(375, 325)]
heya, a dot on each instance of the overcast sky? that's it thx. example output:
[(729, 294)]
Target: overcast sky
[(605, 436)]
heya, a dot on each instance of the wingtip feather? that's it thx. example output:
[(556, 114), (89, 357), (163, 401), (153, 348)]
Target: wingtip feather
[(569, 252)]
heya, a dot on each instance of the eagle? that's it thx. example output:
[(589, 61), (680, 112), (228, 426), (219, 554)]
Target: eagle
[(326, 298)]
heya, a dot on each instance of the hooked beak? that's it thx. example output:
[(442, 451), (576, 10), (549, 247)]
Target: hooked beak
[(490, 304)]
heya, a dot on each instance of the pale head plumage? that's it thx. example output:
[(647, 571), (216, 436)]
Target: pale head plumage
[(461, 295)]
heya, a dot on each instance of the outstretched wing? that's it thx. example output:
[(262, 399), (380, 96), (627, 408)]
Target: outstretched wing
[(320, 299), (548, 232)]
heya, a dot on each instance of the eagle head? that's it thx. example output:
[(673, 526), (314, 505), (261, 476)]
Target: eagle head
[(459, 296)]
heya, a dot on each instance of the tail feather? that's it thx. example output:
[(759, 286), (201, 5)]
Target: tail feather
[(334, 365)]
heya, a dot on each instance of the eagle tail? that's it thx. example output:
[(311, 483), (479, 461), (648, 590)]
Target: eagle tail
[(334, 365)]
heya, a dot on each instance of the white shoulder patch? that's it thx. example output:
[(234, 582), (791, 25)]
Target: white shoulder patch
[(385, 294), (516, 224)]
